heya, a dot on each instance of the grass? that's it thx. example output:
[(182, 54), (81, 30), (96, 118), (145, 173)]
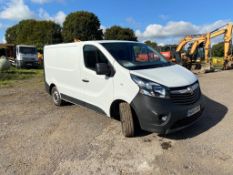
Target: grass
[(12, 76)]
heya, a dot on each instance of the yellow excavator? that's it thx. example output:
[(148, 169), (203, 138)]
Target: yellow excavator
[(175, 55), (206, 41), (186, 61), (196, 59)]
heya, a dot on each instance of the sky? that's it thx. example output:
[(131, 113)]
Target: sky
[(162, 21)]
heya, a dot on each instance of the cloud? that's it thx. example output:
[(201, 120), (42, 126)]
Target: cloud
[(210, 27), (16, 10), (164, 17), (40, 1), (3, 40), (173, 31), (59, 17), (103, 28), (43, 14), (3, 26), (46, 1), (133, 22)]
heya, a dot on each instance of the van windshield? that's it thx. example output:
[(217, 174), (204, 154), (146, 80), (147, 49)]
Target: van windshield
[(136, 55), (27, 50)]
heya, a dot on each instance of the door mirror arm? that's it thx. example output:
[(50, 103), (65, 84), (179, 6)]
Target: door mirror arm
[(103, 69)]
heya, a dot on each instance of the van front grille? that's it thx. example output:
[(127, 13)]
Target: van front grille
[(28, 59), (186, 95)]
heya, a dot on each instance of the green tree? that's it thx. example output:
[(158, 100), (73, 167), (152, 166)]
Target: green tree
[(83, 26), (32, 32), (152, 44), (11, 34), (218, 50), (120, 33)]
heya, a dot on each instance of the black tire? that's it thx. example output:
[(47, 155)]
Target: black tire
[(56, 97), (127, 121)]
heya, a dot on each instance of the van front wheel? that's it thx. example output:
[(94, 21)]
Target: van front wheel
[(127, 122), (56, 97)]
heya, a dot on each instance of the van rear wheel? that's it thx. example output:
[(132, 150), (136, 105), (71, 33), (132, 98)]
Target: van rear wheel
[(56, 97), (127, 122)]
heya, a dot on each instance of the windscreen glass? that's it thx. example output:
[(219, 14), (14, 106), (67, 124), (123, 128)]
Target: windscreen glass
[(136, 55), (27, 50)]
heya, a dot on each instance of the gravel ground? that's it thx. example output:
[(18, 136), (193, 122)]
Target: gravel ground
[(37, 137)]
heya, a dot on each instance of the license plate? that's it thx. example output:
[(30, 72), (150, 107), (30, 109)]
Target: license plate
[(193, 111)]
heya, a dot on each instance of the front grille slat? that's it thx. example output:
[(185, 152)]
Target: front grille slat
[(185, 98)]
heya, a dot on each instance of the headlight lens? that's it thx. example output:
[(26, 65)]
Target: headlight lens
[(150, 88)]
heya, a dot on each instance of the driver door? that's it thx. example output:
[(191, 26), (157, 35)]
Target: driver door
[(97, 89)]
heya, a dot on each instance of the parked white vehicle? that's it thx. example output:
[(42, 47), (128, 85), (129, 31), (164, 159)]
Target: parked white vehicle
[(26, 56), (125, 80)]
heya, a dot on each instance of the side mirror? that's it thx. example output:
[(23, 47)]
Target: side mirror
[(102, 69)]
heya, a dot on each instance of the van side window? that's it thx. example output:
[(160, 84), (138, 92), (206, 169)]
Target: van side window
[(93, 55)]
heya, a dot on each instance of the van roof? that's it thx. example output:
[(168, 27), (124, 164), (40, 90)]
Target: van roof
[(91, 42), (113, 41)]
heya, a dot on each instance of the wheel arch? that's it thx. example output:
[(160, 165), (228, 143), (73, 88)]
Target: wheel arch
[(114, 109), (51, 87), (115, 112)]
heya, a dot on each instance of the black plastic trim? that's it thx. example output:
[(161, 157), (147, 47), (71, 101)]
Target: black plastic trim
[(46, 84), (47, 87), (150, 110), (82, 103)]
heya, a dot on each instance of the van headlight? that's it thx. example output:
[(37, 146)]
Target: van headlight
[(150, 88)]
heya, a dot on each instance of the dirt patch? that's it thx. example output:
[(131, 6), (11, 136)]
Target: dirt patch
[(37, 137), (166, 145)]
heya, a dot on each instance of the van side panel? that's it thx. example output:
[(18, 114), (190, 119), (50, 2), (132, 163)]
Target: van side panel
[(124, 87), (62, 69)]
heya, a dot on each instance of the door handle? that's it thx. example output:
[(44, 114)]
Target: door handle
[(86, 81)]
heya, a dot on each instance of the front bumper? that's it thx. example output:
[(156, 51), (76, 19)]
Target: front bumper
[(150, 111), (22, 63)]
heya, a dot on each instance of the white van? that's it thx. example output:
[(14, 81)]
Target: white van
[(125, 80)]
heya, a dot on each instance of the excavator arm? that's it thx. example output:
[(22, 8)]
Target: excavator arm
[(228, 42), (227, 31), (183, 42), (207, 47), (196, 43)]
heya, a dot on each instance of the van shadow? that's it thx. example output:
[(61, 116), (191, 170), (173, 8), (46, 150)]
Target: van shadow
[(214, 112), (66, 103)]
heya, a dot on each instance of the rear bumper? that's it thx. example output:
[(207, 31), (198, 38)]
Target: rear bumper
[(150, 111)]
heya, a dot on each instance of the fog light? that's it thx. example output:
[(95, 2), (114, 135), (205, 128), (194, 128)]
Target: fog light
[(164, 118)]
